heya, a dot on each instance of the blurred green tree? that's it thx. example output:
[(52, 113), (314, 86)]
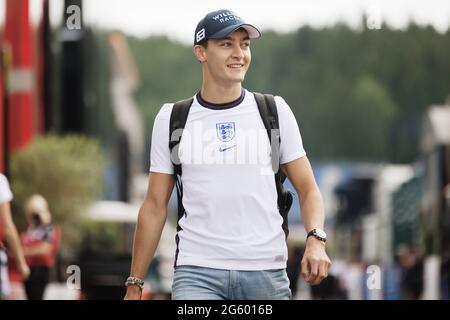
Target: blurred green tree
[(67, 171), (350, 89)]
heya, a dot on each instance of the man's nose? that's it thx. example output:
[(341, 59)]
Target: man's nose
[(237, 52)]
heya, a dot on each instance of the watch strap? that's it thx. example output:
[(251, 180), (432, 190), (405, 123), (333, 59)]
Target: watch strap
[(315, 235)]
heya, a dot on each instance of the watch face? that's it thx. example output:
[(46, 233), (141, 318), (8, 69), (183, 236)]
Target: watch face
[(321, 233)]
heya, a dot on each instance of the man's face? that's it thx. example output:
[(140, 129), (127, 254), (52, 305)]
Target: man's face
[(227, 60)]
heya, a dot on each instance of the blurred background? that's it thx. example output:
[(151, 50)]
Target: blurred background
[(369, 84)]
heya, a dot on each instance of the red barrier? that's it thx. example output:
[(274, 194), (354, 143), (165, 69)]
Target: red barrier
[(20, 79)]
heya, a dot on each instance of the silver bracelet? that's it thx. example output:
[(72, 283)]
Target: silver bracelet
[(135, 281)]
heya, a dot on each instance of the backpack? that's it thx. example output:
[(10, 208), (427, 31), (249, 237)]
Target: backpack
[(268, 111)]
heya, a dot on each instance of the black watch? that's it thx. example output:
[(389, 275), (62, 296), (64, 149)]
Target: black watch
[(317, 233)]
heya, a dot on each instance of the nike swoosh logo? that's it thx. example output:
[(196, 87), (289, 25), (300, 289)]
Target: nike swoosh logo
[(225, 149)]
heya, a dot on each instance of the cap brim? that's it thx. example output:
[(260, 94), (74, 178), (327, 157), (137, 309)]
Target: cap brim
[(253, 32)]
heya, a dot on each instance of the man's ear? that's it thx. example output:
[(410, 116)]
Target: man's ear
[(200, 52)]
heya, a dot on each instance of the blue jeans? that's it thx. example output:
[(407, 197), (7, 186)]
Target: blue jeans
[(199, 283)]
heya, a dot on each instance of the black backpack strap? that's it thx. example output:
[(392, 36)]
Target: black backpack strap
[(178, 118), (269, 115), (268, 110)]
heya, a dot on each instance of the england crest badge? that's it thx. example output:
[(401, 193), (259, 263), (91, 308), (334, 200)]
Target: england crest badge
[(225, 131)]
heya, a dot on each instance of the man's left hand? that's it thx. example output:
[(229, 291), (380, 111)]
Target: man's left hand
[(315, 262)]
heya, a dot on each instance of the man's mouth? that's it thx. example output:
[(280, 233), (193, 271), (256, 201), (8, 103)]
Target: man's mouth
[(235, 65)]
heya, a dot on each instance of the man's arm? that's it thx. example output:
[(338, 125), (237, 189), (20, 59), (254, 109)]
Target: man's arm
[(12, 239), (150, 224), (315, 262)]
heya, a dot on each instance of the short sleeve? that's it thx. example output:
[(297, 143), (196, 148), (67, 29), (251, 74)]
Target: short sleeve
[(291, 147), (5, 191), (160, 152)]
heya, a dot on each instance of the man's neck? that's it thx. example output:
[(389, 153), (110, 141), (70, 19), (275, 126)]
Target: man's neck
[(218, 94)]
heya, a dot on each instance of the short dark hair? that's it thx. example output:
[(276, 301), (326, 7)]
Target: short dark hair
[(241, 29), (204, 44)]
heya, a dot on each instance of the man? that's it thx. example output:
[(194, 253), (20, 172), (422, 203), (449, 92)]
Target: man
[(230, 243), (9, 234)]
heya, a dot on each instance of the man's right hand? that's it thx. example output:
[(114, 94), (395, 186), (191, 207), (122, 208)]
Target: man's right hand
[(133, 293)]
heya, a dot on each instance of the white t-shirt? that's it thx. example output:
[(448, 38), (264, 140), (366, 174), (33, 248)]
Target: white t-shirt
[(5, 191), (232, 220)]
